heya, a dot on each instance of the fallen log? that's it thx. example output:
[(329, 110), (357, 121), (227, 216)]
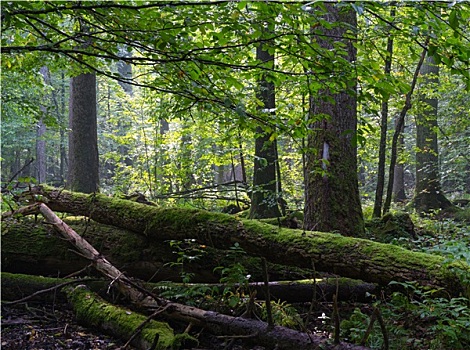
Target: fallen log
[(93, 311), (256, 331), (349, 257), (16, 286)]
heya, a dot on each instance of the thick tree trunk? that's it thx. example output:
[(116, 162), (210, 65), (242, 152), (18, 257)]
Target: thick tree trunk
[(346, 256), (332, 200)]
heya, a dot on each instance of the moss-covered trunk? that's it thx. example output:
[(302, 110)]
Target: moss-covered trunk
[(346, 256)]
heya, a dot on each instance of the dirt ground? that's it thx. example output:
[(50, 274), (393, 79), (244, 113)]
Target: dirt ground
[(41, 326)]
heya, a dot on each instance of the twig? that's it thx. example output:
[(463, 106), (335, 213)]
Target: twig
[(267, 294), (336, 319)]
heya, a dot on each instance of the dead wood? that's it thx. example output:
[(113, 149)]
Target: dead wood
[(256, 331), (121, 323), (349, 257)]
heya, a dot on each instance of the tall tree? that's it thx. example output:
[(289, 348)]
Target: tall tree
[(83, 173), (264, 201), (383, 131), (428, 195), (41, 166), (332, 200)]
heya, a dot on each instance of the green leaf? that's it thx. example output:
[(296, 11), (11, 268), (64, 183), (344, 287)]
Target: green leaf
[(453, 20)]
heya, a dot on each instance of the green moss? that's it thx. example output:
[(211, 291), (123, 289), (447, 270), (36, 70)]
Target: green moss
[(95, 312), (375, 255)]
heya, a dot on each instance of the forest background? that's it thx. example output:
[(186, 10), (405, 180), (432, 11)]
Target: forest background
[(177, 94), (339, 110)]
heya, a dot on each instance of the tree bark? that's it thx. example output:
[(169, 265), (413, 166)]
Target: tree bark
[(264, 199), (332, 200), (83, 168), (379, 190), (349, 257)]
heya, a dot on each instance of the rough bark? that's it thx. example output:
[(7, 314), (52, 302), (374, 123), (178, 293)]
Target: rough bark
[(332, 202), (83, 168), (349, 257)]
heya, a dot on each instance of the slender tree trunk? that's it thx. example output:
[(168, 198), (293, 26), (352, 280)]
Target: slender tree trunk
[(41, 158), (63, 145), (399, 126), (428, 194), (83, 139), (41, 152), (379, 191), (332, 200), (399, 194), (264, 202)]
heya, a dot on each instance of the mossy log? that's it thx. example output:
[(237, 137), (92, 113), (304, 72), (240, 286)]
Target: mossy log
[(15, 286), (121, 323), (257, 331), (31, 247), (349, 257)]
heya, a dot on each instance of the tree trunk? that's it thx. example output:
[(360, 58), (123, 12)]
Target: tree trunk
[(346, 256), (41, 159), (428, 194), (301, 291), (264, 202), (379, 191), (332, 200), (399, 194), (83, 169)]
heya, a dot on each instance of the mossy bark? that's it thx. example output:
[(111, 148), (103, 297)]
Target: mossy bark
[(332, 202), (17, 286), (93, 311), (346, 256), (32, 248)]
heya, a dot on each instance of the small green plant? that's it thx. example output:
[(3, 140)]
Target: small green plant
[(235, 278), (283, 314), (187, 251)]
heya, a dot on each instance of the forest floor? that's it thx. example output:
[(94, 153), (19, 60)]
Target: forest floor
[(43, 326)]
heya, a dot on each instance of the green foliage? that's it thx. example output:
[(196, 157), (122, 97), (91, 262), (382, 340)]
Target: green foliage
[(444, 321), (283, 314), (186, 251)]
